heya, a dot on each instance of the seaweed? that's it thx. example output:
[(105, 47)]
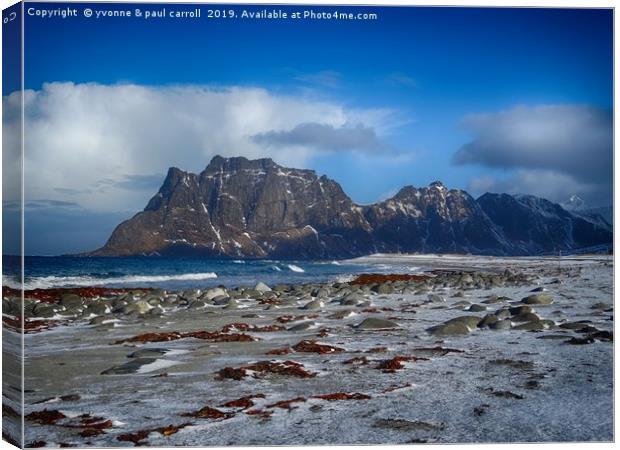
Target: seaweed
[(312, 347)]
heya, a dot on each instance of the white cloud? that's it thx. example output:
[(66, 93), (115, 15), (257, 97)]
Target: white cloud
[(85, 141), (324, 78)]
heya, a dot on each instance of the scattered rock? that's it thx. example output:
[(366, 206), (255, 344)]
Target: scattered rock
[(375, 323), (538, 299), (262, 287), (456, 326), (477, 308), (314, 304)]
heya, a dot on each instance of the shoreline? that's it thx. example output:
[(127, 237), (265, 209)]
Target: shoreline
[(382, 354)]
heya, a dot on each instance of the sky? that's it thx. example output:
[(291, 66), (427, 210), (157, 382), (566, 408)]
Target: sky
[(486, 100)]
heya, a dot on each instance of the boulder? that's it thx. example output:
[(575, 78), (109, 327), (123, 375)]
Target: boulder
[(375, 323), (457, 326), (262, 287), (537, 299)]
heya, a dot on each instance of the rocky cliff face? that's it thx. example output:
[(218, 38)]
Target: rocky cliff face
[(434, 219), (240, 208), (534, 225)]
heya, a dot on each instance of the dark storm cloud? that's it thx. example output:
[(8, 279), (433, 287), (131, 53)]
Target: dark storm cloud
[(324, 137), (551, 151), (570, 139)]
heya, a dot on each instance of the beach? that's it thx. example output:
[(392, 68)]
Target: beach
[(463, 349)]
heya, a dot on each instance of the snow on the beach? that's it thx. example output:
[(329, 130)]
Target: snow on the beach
[(495, 386)]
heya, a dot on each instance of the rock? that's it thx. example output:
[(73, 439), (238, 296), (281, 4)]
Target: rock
[(538, 289), (603, 335), (97, 309), (70, 300), (537, 299), (191, 294), (302, 326), (383, 288), (491, 300), (533, 326), (459, 294), (210, 294), (434, 298), (100, 320), (222, 300), (487, 321), (148, 353), (342, 314), (197, 304), (352, 300), (43, 310), (375, 323), (408, 425), (461, 305), (314, 304), (577, 326), (505, 324), (456, 326), (139, 307), (603, 306), (477, 308), (502, 313), (232, 304), (129, 367), (262, 287), (156, 311), (466, 279), (153, 300), (581, 341), (321, 292), (525, 317), (523, 309)]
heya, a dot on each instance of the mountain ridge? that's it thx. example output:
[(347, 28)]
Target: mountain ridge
[(257, 209)]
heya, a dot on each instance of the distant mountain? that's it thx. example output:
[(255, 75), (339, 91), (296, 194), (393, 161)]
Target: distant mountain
[(240, 208), (434, 219), (596, 214), (574, 203), (601, 216)]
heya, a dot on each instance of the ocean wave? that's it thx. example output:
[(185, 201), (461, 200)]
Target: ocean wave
[(295, 268), (77, 281), (345, 278), (276, 268)]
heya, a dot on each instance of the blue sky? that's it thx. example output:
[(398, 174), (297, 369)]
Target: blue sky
[(442, 93)]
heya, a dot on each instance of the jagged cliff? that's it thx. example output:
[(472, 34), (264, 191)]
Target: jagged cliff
[(242, 208)]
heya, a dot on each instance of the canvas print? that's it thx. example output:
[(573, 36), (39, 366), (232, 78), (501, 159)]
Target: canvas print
[(303, 224)]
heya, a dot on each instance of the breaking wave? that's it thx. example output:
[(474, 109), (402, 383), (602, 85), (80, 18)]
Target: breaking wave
[(77, 281), (295, 268)]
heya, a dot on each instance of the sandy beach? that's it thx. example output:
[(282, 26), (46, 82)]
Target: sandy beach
[(472, 350)]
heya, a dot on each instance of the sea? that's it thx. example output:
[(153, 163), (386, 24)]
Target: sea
[(41, 272)]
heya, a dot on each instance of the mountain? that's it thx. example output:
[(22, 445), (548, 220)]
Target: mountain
[(434, 219), (601, 216), (574, 203), (240, 208), (534, 225)]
